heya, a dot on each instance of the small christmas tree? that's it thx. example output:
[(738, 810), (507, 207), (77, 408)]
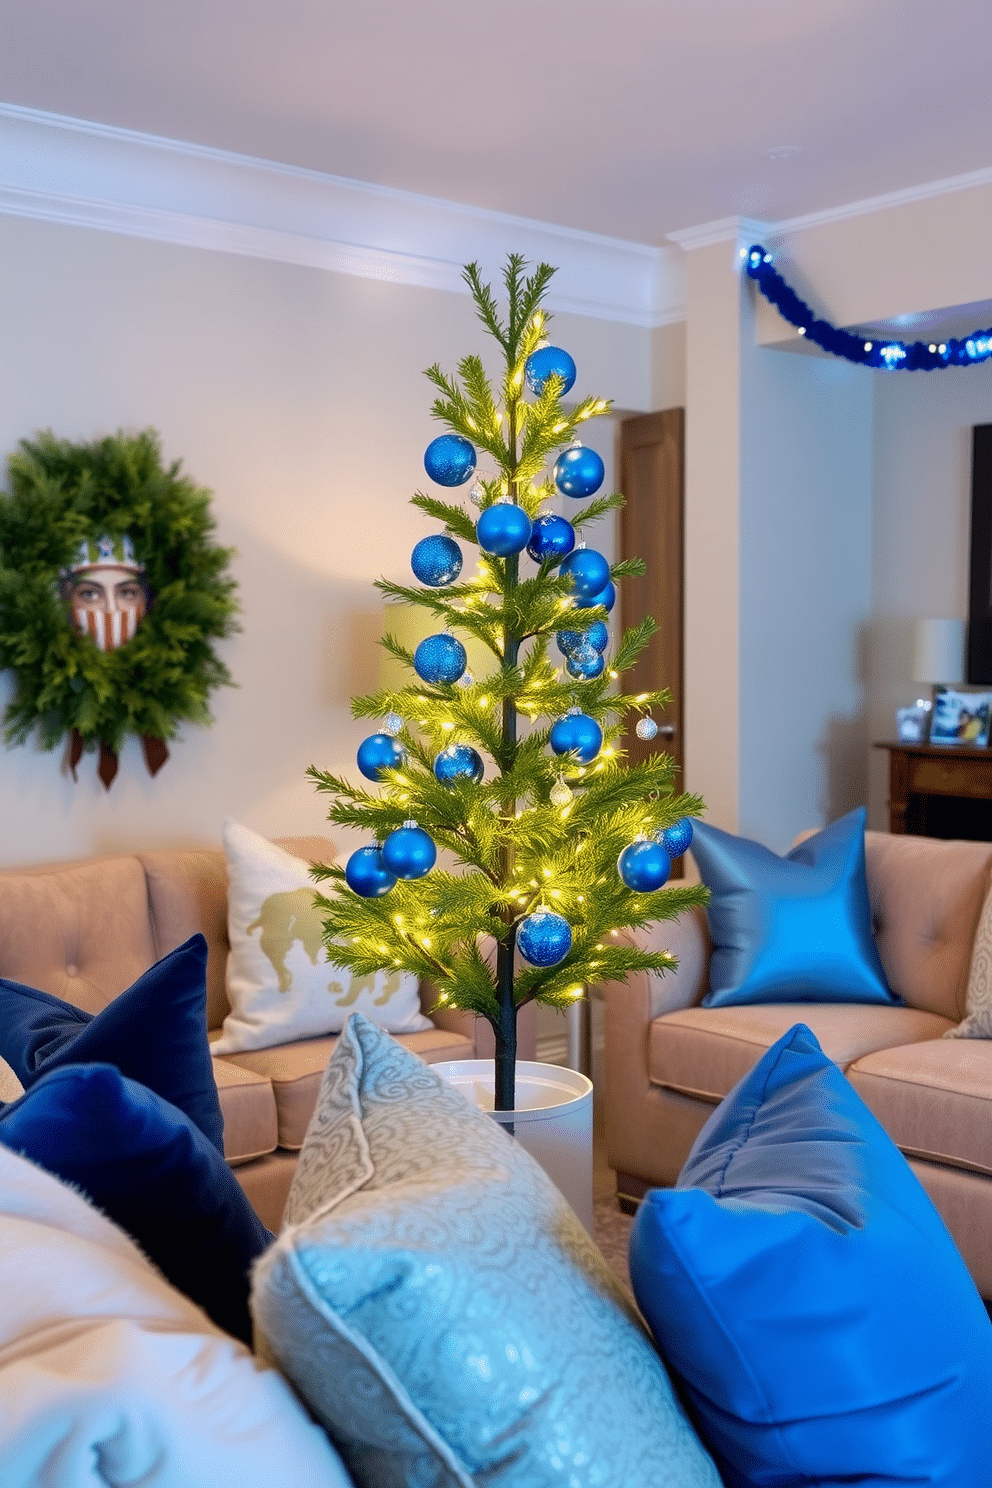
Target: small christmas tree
[(558, 845)]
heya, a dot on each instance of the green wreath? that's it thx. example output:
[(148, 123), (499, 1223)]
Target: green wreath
[(66, 495)]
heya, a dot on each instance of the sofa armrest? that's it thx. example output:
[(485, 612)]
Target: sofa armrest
[(688, 939)]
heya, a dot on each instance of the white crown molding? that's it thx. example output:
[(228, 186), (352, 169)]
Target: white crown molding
[(869, 205), (75, 172), (737, 230)]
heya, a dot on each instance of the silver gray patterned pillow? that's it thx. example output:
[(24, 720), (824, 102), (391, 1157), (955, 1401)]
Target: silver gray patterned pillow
[(442, 1311), (977, 1021)]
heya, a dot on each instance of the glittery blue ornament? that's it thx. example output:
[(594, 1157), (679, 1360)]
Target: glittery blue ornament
[(577, 734), (450, 460), (459, 762), (544, 938), (579, 471), (367, 875), (676, 838), (379, 752), (503, 529), (409, 852), (585, 665), (644, 866), (440, 658), (595, 635), (588, 570), (551, 537), (607, 597), (549, 361), (436, 560)]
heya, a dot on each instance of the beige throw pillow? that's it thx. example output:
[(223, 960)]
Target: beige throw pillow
[(977, 1021), (280, 982)]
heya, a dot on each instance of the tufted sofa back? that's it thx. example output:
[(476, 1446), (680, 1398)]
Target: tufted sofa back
[(85, 931), (926, 896)]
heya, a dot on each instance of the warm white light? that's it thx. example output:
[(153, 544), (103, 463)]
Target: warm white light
[(802, 330), (868, 345)]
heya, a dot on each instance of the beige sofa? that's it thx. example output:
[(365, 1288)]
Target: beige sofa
[(669, 1061), (85, 931)]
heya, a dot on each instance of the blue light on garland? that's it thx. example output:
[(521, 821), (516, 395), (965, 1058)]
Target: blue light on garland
[(890, 356)]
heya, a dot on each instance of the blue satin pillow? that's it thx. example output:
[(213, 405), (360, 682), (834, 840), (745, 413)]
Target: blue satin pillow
[(146, 1166), (792, 929), (804, 1288), (155, 1032)]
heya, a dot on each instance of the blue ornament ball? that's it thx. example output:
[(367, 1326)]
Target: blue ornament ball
[(577, 734), (595, 635), (579, 471), (459, 762), (367, 875), (586, 665), (644, 866), (607, 597), (450, 460), (588, 570), (440, 659), (551, 537), (409, 852), (503, 529), (436, 560), (677, 838), (549, 361), (544, 938), (379, 752)]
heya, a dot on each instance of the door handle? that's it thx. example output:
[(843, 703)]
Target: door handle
[(667, 730)]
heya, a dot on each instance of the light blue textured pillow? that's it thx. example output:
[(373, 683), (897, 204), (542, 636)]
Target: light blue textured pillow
[(804, 1287), (792, 929), (442, 1311)]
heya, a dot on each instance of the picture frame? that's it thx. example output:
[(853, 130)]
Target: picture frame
[(961, 716), (912, 724)]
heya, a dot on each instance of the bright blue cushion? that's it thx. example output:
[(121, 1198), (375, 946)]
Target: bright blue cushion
[(155, 1032), (804, 1288), (153, 1172), (792, 929)]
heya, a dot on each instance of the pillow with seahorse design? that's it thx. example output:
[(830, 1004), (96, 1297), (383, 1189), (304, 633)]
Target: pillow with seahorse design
[(281, 983)]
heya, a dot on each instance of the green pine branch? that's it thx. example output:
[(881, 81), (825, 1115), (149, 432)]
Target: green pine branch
[(514, 842)]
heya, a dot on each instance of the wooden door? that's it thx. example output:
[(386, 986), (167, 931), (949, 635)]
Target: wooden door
[(652, 452)]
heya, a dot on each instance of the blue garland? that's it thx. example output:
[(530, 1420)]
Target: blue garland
[(890, 356)]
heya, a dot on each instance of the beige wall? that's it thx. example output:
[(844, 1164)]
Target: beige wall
[(297, 396)]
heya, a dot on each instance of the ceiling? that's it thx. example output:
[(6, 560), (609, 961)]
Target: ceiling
[(634, 118)]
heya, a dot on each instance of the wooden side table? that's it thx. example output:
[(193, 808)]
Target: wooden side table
[(940, 790)]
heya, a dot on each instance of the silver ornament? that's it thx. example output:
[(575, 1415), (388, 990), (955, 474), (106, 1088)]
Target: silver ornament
[(393, 723), (561, 795), (477, 495), (646, 728)]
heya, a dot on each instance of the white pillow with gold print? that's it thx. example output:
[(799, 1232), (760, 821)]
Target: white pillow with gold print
[(280, 983)]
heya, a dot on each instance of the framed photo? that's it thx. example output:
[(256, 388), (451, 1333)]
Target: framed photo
[(912, 724), (961, 716)]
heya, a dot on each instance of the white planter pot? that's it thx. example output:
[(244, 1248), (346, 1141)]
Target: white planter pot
[(552, 1120)]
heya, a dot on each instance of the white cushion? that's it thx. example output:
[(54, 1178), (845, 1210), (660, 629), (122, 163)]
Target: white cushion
[(280, 983), (110, 1376)]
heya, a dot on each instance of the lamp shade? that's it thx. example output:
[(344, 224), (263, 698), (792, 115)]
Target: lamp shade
[(938, 651)]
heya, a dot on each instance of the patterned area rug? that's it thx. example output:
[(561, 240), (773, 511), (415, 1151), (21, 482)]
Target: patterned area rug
[(611, 1231)]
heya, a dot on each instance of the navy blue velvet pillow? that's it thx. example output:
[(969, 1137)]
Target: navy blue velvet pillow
[(792, 929), (150, 1170), (806, 1291), (155, 1032)]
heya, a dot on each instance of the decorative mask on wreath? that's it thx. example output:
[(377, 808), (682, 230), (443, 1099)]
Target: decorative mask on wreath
[(105, 591)]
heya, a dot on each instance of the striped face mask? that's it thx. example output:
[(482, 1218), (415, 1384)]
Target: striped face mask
[(107, 602)]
